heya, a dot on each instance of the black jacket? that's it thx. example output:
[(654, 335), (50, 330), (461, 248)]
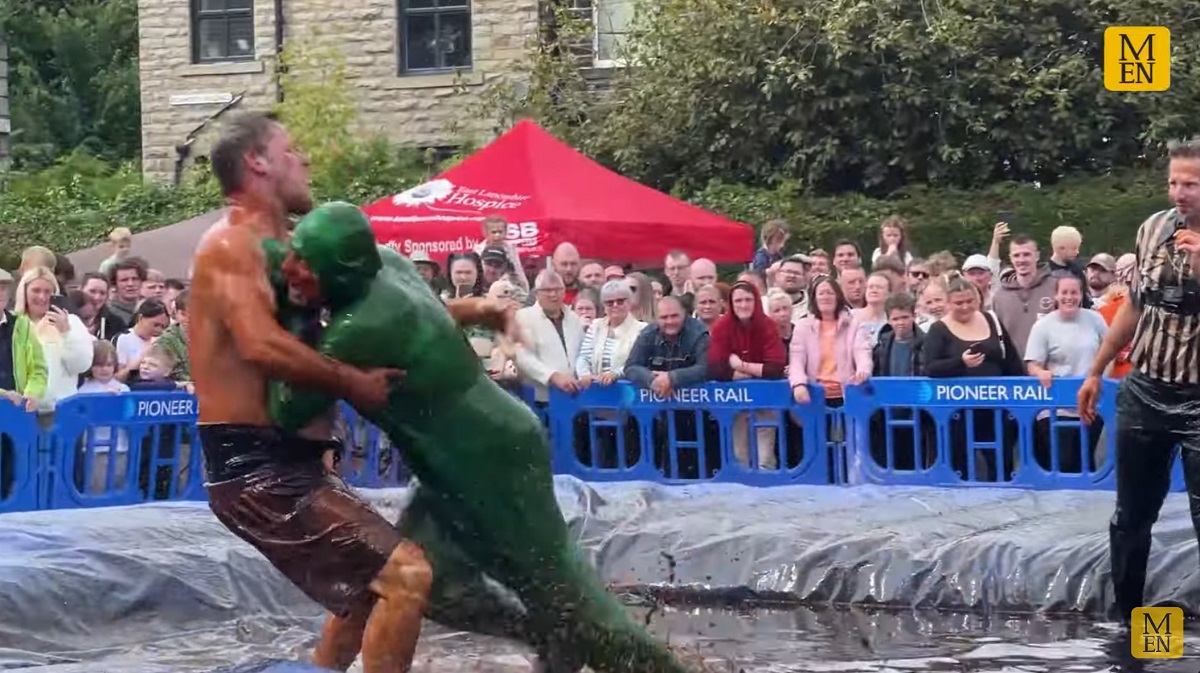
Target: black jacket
[(881, 355)]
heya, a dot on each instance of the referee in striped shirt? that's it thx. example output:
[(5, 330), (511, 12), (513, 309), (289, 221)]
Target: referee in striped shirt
[(1158, 405)]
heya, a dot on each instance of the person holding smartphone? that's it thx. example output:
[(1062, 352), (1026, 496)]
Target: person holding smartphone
[(65, 341), (970, 342)]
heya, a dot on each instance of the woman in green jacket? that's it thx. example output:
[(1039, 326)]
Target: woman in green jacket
[(29, 365)]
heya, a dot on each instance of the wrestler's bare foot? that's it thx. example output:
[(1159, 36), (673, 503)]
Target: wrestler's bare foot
[(403, 586)]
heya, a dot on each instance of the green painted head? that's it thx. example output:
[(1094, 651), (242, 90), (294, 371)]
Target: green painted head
[(336, 242)]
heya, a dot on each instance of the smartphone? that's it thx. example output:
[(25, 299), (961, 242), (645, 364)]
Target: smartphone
[(461, 291), (973, 349), (1005, 217), (60, 301)]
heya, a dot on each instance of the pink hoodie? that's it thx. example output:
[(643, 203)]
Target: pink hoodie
[(853, 350)]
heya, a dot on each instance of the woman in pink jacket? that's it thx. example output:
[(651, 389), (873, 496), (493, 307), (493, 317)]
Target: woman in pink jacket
[(829, 347)]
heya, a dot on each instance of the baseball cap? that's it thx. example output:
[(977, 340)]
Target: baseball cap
[(613, 272), (977, 261), (1104, 261), (494, 254), (422, 257)]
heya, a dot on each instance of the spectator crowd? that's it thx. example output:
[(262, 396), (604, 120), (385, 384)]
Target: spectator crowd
[(817, 318), (827, 319)]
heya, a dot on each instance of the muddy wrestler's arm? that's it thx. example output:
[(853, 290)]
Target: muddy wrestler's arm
[(237, 274), (477, 311)]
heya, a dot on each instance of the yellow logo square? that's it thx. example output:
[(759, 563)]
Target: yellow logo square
[(1157, 633), (1137, 58)]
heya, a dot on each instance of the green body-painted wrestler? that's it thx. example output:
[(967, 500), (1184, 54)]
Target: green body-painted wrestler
[(485, 504)]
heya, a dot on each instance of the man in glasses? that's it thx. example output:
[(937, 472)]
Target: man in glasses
[(792, 278)]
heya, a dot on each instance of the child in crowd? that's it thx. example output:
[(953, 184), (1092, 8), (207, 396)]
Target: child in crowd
[(100, 380), (495, 234), (1064, 245), (893, 240), (154, 371), (121, 240)]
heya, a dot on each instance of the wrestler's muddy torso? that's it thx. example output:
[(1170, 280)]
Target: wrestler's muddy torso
[(229, 388)]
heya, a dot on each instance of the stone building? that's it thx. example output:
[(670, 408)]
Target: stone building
[(5, 124), (409, 61)]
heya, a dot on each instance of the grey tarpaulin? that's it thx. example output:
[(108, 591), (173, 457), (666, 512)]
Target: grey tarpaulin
[(83, 581)]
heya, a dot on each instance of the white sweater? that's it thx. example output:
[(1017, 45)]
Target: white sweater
[(67, 356)]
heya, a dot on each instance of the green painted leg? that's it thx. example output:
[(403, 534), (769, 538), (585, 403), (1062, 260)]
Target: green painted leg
[(462, 598)]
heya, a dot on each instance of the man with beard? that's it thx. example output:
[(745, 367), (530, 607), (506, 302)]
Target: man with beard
[(1159, 400), (268, 486)]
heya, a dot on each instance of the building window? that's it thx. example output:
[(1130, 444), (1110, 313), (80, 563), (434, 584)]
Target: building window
[(222, 30), (434, 35), (609, 22), (612, 19)]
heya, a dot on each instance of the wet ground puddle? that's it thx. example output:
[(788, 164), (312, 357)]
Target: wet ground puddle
[(830, 640)]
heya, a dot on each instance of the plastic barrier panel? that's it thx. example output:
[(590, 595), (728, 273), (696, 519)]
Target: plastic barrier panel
[(988, 431), (750, 432), (125, 449), (19, 457), (368, 458)]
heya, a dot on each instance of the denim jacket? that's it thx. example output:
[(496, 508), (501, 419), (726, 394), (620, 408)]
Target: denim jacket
[(686, 357)]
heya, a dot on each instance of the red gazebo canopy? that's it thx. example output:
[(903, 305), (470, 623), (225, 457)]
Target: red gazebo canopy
[(549, 193)]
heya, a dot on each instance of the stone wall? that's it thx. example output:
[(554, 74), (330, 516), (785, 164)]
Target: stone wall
[(178, 96), (5, 127)]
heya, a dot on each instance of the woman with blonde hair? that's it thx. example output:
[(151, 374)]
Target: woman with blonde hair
[(65, 340), (941, 263), (709, 305), (644, 307)]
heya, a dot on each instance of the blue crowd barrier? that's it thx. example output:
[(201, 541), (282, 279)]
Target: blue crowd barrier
[(132, 448), (659, 424), (1010, 408), (124, 449), (20, 453)]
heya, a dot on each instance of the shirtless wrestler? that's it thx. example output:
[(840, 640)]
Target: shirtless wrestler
[(267, 486)]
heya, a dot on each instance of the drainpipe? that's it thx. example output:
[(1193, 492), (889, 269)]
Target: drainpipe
[(278, 50)]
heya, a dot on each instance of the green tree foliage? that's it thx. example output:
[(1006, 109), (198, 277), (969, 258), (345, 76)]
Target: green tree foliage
[(866, 95), (73, 78), (1107, 209)]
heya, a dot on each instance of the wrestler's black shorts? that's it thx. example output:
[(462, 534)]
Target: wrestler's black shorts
[(273, 491)]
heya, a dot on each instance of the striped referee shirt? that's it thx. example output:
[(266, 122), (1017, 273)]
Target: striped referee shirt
[(1166, 344)]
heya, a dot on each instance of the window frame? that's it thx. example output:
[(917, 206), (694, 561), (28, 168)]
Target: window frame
[(403, 12), (197, 16), (597, 61)]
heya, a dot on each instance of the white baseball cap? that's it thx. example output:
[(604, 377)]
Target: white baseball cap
[(977, 261)]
